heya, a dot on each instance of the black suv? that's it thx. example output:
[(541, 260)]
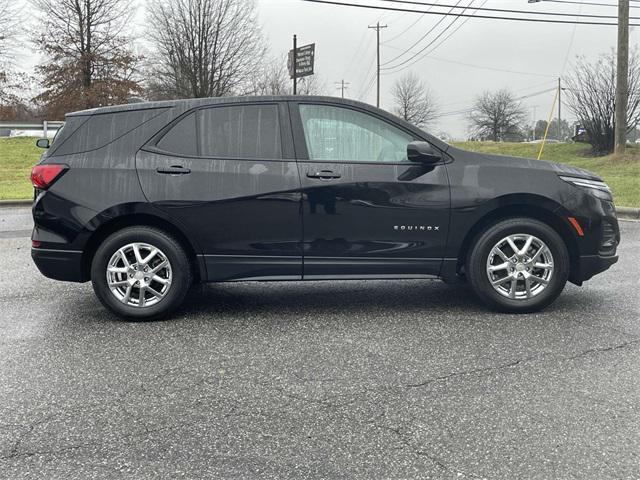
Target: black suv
[(145, 199)]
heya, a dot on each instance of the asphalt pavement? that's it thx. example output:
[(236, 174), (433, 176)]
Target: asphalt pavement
[(371, 380)]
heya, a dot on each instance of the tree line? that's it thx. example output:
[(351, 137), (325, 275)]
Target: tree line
[(211, 48)]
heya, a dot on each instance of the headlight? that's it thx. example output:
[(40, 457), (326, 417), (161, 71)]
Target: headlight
[(593, 187)]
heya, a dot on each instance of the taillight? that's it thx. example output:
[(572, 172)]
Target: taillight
[(43, 176)]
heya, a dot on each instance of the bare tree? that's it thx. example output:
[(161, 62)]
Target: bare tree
[(591, 90), (311, 85), (497, 116), (10, 19), (273, 79), (413, 100), (89, 63), (203, 48), (13, 83)]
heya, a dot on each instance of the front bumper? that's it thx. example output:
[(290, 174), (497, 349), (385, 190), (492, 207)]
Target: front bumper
[(590, 265), (63, 265)]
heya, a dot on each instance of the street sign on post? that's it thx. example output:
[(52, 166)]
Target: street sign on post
[(304, 61)]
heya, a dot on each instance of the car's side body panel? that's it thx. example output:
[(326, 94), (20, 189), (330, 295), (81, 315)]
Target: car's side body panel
[(254, 218)]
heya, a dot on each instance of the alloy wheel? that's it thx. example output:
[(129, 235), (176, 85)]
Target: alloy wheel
[(139, 275), (520, 266)]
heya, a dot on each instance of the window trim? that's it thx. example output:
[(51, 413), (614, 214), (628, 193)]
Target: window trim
[(152, 145), (300, 140)]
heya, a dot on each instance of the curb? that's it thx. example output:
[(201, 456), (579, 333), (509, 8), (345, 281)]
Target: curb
[(628, 213), (16, 203), (625, 213)]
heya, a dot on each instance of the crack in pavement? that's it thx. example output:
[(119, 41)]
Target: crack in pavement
[(473, 371), (495, 368), (611, 348)]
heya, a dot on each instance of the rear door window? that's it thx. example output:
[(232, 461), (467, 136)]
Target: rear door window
[(239, 131)]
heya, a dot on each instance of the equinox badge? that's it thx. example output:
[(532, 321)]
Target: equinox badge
[(421, 228)]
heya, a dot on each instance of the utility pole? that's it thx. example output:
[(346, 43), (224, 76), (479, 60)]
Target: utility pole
[(342, 85), (622, 77), (377, 28), (294, 61), (559, 109)]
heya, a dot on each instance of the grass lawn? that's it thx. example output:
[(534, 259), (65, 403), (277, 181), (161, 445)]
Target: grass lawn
[(621, 174), (18, 155)]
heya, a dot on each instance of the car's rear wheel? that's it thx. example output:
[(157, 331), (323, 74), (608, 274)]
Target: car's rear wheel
[(518, 265), (141, 273)]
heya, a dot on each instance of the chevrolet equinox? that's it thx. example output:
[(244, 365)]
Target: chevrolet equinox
[(145, 199)]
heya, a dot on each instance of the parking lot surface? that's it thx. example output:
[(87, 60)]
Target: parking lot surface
[(383, 379)]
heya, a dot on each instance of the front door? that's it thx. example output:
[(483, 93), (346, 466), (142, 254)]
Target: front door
[(367, 210)]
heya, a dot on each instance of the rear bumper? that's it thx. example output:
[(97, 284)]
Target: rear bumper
[(63, 265), (590, 265)]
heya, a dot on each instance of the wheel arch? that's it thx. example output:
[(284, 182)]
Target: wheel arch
[(140, 218), (548, 214)]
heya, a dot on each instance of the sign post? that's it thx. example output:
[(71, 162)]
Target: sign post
[(295, 64), (300, 62)]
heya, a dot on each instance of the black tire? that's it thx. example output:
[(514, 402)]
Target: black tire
[(182, 276), (476, 265)]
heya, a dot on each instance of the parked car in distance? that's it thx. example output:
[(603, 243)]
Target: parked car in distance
[(145, 199)]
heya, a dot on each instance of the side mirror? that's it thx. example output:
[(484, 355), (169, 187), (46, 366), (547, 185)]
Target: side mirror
[(423, 152), (42, 143)]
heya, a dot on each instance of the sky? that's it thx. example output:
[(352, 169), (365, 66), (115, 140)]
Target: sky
[(539, 52), (482, 54)]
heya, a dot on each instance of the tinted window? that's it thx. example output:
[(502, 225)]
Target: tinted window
[(244, 131), (343, 134), (181, 139), (100, 129)]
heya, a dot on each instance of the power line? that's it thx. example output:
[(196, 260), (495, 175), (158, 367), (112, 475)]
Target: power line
[(531, 87), (442, 19), (480, 67), (413, 24), (451, 34), (470, 109), (366, 76), (573, 36), (363, 91), (404, 62), (356, 59), (501, 10), (488, 17), (582, 3)]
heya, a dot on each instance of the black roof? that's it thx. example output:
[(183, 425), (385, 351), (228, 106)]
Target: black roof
[(196, 102)]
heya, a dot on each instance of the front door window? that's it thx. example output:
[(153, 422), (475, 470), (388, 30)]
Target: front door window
[(346, 135)]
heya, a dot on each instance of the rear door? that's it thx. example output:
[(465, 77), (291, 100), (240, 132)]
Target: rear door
[(227, 173), (367, 210)]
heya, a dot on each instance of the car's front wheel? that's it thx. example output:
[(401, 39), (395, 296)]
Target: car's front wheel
[(518, 265), (141, 273)]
